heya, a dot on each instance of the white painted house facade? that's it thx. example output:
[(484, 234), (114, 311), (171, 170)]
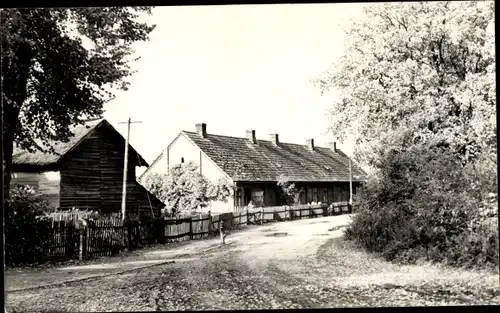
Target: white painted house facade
[(183, 150)]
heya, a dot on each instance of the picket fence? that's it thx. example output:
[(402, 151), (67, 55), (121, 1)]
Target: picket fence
[(105, 236)]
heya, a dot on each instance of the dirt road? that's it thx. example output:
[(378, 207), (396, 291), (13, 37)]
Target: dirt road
[(300, 264)]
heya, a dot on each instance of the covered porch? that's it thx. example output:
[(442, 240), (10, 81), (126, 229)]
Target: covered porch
[(269, 194)]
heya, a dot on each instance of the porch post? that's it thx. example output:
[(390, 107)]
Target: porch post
[(242, 197)]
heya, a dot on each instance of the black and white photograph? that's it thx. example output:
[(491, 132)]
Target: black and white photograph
[(249, 156)]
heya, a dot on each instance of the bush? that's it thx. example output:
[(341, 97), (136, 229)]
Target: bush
[(425, 204), (185, 190), (289, 194), (27, 231)]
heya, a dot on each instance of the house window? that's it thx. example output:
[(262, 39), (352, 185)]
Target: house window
[(315, 194), (182, 160), (325, 195)]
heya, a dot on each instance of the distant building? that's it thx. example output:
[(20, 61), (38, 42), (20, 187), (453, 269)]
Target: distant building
[(254, 166), (86, 172)]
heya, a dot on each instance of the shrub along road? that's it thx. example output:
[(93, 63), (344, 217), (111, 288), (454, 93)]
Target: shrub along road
[(300, 264)]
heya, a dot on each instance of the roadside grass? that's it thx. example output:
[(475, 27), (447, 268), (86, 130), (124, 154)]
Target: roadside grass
[(348, 268), (350, 265)]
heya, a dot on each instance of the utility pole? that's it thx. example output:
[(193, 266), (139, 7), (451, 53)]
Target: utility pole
[(125, 167)]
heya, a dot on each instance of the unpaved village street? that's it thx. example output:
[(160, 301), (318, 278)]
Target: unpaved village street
[(299, 264)]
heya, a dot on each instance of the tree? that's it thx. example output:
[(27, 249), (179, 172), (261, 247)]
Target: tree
[(183, 188), (290, 194), (417, 92), (51, 78), (417, 73)]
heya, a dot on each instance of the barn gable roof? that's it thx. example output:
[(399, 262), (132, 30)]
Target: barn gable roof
[(39, 159), (264, 161)]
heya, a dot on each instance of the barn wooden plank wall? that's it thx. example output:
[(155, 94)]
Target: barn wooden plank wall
[(92, 176)]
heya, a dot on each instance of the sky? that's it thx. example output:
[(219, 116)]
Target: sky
[(235, 68)]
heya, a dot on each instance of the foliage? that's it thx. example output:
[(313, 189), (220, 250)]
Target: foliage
[(185, 189), (417, 73), (426, 205), (60, 65), (289, 193), (27, 231), (417, 92)]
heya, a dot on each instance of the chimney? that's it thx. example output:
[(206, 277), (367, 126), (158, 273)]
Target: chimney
[(310, 144), (333, 146), (274, 139), (251, 136), (201, 129)]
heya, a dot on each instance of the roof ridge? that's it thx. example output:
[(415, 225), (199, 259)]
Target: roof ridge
[(243, 138), (240, 160)]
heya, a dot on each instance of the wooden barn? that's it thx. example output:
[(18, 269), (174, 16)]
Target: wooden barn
[(321, 174), (86, 172)]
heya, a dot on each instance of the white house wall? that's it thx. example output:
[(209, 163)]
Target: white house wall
[(183, 148), (161, 166)]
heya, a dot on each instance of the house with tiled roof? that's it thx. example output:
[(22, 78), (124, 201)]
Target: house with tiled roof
[(85, 172), (254, 165)]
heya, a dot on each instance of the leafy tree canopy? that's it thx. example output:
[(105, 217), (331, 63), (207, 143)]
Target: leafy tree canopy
[(60, 65), (184, 189), (417, 74)]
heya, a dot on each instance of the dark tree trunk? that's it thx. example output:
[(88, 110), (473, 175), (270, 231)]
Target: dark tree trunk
[(15, 73), (9, 127), (7, 147)]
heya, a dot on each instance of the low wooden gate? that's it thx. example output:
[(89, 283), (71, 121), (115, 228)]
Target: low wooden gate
[(254, 218), (103, 238), (64, 243)]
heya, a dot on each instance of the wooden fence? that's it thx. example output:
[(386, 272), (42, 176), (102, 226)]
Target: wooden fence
[(285, 213), (103, 236), (72, 215), (61, 242)]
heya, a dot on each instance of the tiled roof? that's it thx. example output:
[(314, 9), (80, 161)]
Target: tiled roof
[(245, 161), (80, 132)]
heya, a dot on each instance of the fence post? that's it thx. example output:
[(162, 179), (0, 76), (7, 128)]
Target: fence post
[(83, 230), (86, 241), (191, 228), (124, 237), (209, 224), (68, 252), (222, 237), (128, 225), (163, 225), (262, 216)]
